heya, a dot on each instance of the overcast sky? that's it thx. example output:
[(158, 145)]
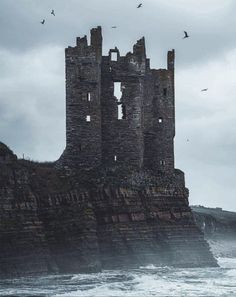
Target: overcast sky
[(32, 91)]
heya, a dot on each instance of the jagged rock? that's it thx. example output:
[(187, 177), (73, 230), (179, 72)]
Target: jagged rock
[(219, 227), (54, 223)]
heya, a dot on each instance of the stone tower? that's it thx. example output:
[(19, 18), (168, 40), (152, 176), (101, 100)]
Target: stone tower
[(118, 110), (83, 101)]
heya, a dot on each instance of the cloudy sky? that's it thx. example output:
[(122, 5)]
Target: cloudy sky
[(32, 93)]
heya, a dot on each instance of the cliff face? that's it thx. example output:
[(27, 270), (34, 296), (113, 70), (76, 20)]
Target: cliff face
[(219, 227), (52, 221), (215, 222)]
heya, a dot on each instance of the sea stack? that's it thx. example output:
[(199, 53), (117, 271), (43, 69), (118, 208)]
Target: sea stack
[(114, 199)]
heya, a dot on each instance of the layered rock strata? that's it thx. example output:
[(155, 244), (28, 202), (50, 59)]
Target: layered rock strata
[(52, 222)]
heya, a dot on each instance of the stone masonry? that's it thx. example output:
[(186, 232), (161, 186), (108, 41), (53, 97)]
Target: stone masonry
[(137, 127)]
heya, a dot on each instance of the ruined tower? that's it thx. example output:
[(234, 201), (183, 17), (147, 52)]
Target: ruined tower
[(83, 101), (118, 110)]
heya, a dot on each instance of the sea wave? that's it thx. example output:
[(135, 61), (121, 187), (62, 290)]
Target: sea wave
[(145, 281)]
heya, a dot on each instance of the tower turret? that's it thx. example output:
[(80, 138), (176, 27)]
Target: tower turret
[(160, 118)]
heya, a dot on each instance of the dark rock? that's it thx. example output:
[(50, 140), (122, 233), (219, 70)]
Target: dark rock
[(219, 227)]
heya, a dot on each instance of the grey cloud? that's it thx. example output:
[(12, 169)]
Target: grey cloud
[(211, 26), (32, 96)]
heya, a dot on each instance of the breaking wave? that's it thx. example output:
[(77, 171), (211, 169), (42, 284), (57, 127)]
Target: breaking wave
[(145, 281)]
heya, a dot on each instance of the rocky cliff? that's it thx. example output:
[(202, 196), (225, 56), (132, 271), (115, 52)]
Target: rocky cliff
[(53, 221), (219, 227)]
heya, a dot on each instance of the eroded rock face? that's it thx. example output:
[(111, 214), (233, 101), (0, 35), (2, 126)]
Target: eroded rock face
[(219, 227), (54, 222)]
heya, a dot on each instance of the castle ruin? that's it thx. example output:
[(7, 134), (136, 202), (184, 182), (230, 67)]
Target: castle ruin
[(114, 199), (118, 110)]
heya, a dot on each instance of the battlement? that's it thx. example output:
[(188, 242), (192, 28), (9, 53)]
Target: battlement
[(119, 112)]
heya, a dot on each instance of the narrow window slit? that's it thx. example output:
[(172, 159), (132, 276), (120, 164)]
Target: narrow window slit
[(160, 120), (88, 96), (115, 158), (165, 91), (120, 112), (88, 118)]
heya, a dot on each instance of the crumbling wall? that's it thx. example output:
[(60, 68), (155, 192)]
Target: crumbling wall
[(122, 138), (160, 118), (137, 128), (83, 108)]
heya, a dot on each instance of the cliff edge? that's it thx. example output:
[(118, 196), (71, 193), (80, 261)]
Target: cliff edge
[(52, 221), (219, 227)]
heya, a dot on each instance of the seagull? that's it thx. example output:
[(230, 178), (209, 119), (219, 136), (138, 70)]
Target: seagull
[(185, 35), (204, 90), (114, 27), (52, 12), (188, 140), (140, 5), (43, 21)]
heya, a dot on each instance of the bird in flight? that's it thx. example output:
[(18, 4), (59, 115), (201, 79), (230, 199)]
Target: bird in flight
[(185, 35), (140, 5), (114, 27), (204, 90), (187, 140), (52, 12), (42, 22)]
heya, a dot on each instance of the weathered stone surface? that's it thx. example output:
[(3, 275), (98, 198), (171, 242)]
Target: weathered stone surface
[(95, 131), (219, 227), (215, 222), (114, 198), (51, 222)]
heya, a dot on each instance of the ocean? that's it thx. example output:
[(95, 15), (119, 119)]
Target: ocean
[(143, 282)]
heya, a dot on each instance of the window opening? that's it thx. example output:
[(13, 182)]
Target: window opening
[(165, 91), (115, 158), (88, 118), (118, 94), (162, 162), (114, 56), (121, 112), (117, 90), (160, 120), (88, 96)]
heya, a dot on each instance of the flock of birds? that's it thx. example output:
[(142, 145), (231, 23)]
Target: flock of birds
[(186, 35)]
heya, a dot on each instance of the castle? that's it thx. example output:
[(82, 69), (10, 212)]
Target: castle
[(118, 110)]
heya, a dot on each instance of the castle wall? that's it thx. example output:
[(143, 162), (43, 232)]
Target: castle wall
[(137, 129), (122, 139), (83, 112), (159, 115)]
